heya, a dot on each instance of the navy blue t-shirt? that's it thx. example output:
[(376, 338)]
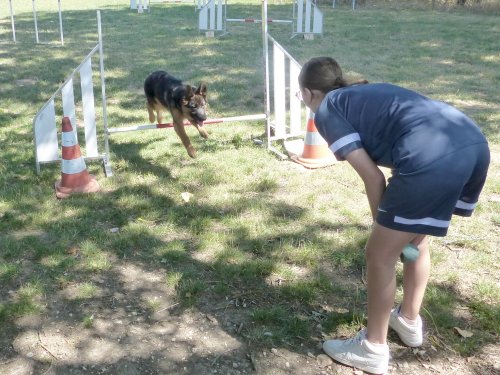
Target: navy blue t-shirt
[(397, 127)]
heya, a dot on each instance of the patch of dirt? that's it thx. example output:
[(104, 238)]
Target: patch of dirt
[(117, 332)]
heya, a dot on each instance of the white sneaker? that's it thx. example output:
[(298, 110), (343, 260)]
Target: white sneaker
[(360, 353), (411, 335)]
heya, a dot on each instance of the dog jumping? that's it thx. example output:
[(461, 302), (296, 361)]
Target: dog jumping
[(164, 93)]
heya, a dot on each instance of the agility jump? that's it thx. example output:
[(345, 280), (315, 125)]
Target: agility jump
[(307, 19), (45, 121), (37, 38), (284, 119)]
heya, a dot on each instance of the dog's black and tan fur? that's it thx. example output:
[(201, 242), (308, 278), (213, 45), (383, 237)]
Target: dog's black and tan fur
[(167, 93)]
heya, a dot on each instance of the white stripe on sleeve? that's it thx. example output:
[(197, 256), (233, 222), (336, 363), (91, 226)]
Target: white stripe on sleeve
[(345, 140)]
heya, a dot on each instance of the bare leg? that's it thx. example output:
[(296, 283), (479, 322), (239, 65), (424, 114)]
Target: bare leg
[(382, 252), (415, 277)]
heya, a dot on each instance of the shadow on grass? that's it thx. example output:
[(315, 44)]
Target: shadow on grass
[(235, 297)]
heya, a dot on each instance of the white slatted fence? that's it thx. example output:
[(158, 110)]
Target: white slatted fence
[(47, 122)]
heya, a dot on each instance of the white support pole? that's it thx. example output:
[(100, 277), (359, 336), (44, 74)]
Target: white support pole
[(36, 22), (219, 16), (60, 23), (300, 14), (279, 92), (211, 23), (308, 17), (265, 50), (107, 166), (12, 22)]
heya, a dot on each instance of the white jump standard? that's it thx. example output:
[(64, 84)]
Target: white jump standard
[(307, 19), (35, 19), (45, 122)]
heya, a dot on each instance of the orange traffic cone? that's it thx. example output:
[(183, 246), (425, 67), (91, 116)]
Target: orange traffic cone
[(316, 153), (74, 176)]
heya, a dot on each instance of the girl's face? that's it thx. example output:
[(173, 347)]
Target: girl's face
[(305, 95), (311, 98)]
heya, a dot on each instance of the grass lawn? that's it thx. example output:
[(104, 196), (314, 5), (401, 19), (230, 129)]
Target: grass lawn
[(265, 259)]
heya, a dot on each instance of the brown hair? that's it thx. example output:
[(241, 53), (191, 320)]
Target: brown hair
[(323, 74)]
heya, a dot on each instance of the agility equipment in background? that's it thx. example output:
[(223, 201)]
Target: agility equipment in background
[(35, 19), (198, 4), (140, 5), (201, 3), (284, 119), (44, 122), (315, 152), (353, 5), (285, 115), (307, 19), (74, 175)]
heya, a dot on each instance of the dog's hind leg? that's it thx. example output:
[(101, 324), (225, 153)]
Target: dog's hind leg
[(159, 116), (151, 113)]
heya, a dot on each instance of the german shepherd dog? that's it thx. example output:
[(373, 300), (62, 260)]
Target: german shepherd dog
[(164, 92)]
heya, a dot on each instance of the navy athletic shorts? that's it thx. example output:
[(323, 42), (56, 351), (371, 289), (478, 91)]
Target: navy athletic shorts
[(423, 200)]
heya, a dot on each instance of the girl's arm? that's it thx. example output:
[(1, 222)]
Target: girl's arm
[(371, 175)]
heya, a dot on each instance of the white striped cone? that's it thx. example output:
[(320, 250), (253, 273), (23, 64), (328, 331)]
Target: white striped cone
[(316, 153), (74, 175)]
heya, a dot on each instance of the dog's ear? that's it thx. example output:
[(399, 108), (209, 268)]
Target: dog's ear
[(202, 90)]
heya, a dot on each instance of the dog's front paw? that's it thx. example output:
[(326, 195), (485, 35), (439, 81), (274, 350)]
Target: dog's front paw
[(203, 133), (191, 151)]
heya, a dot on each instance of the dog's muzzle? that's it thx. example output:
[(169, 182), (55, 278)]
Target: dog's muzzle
[(199, 116)]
